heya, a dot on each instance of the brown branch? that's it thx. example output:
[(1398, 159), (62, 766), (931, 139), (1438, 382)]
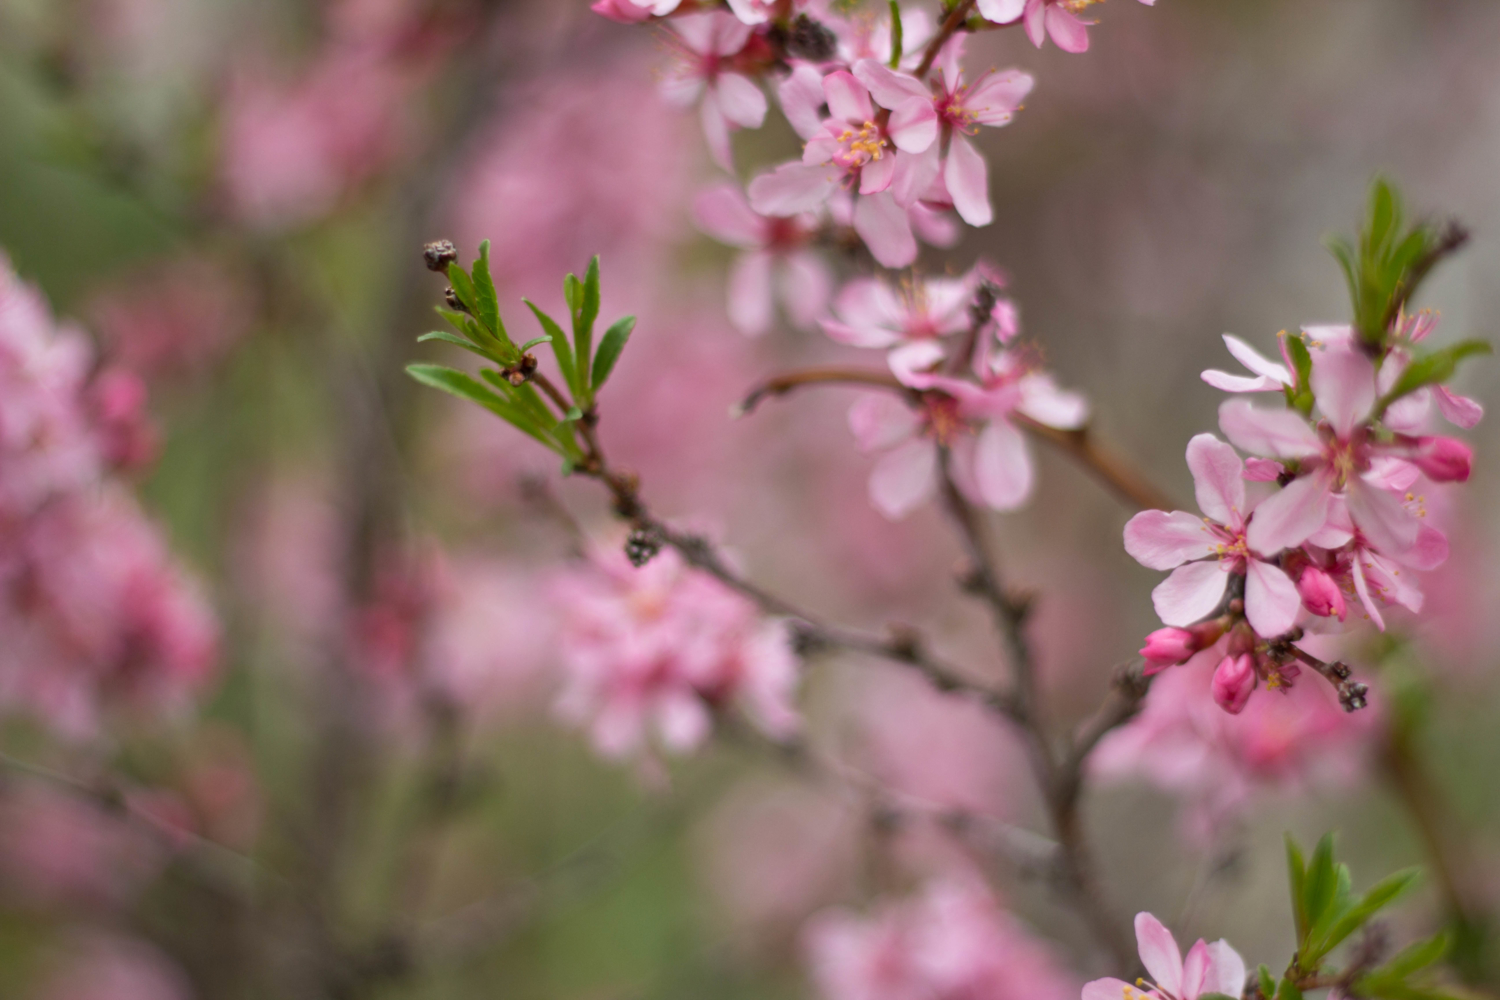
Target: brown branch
[(951, 24), (1124, 481), (780, 385)]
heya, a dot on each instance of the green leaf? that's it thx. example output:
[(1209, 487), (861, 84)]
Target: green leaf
[(1267, 982), (572, 294), (1297, 872), (1434, 368), (463, 288), (465, 386), (1379, 896), (1288, 990), (488, 311), (898, 45), (610, 347), (545, 338), (456, 340), (583, 327), (1301, 357), (574, 413), (1416, 957), (1216, 996), (560, 347), (1322, 881)]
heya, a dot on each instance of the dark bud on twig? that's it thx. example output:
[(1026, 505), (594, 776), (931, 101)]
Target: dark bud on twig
[(454, 302), (983, 305), (438, 254), (811, 40), (642, 546), (807, 640), (1352, 695)]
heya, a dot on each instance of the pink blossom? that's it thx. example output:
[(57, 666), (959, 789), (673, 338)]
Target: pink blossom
[(1208, 968), (1372, 574), (953, 942), (661, 648), (174, 319), (103, 967), (1410, 412), (1320, 594), (708, 44), (991, 464), (1057, 18), (960, 109), (1293, 738), (867, 35), (58, 849), (850, 148), (1270, 376), (1204, 552), (778, 262), (869, 312), (1234, 682), (1167, 647)]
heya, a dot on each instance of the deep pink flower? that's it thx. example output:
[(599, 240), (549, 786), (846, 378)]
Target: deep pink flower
[(1208, 968), (960, 109), (1320, 594), (660, 648), (708, 44), (1167, 647), (1202, 552), (778, 262), (1234, 682)]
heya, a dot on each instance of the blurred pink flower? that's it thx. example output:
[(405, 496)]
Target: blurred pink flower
[(706, 74), (778, 262), (58, 849), (1056, 18), (1182, 742), (953, 942), (1208, 968), (659, 649), (102, 967), (173, 320)]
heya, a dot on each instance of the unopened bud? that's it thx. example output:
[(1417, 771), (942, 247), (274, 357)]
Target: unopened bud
[(641, 547), (1444, 459), (439, 254), (1234, 682), (454, 302), (1167, 647), (1320, 594)]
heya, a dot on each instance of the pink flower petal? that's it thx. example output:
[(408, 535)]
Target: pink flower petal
[(1381, 517), (885, 228), (1226, 969), (1159, 953), (967, 178), (1239, 383), (876, 176), (722, 212), (1263, 470), (914, 125), (1430, 550), (1278, 433), (1069, 32), (880, 420), (1108, 989), (750, 300), (914, 174), (805, 286), (847, 98), (910, 361), (1044, 402), (1362, 588), (995, 98), (1189, 594), (792, 188), (1162, 541), (889, 88), (1255, 361), (1458, 410), (1291, 516), (716, 131), (1003, 12), (741, 101), (904, 478), (1218, 479), (1002, 466), (1036, 21), (801, 95), (1271, 599), (1343, 379)]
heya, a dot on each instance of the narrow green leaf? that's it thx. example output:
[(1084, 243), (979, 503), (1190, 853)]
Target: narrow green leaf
[(1322, 878), (898, 44), (1296, 870), (484, 292), (574, 413), (560, 347), (1267, 982), (610, 347), (1434, 368), (1301, 357), (463, 287), (1416, 957), (545, 338), (572, 293), (583, 327), (455, 340), (1288, 990), (1216, 996), (1380, 895), (465, 386)]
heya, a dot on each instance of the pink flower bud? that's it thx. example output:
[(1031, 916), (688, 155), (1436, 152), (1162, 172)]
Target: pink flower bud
[(1320, 594), (1167, 647), (1444, 459), (1234, 682)]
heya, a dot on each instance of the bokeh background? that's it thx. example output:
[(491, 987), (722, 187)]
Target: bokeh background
[(230, 197)]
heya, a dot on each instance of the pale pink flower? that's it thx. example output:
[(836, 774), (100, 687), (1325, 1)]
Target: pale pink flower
[(58, 849), (632, 11), (1270, 376), (1375, 577), (707, 46), (952, 942), (849, 148), (866, 34), (1057, 18), (1208, 968), (778, 262), (991, 464), (1410, 412), (174, 319), (1203, 553), (1337, 458), (869, 312), (659, 649), (104, 967), (960, 109)]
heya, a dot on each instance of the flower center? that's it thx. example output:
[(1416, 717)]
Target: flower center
[(952, 110), (944, 422), (859, 146)]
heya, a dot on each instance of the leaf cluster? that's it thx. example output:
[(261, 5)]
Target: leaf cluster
[(1327, 911), (508, 389)]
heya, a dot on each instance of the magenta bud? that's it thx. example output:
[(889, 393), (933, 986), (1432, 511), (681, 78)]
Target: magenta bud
[(1234, 682), (1444, 459), (1320, 594), (1167, 647)]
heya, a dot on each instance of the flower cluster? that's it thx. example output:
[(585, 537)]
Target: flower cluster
[(1328, 514), (93, 607), (952, 343), (953, 941), (660, 648)]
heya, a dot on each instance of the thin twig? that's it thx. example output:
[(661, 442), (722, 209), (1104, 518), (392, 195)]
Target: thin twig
[(951, 24)]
